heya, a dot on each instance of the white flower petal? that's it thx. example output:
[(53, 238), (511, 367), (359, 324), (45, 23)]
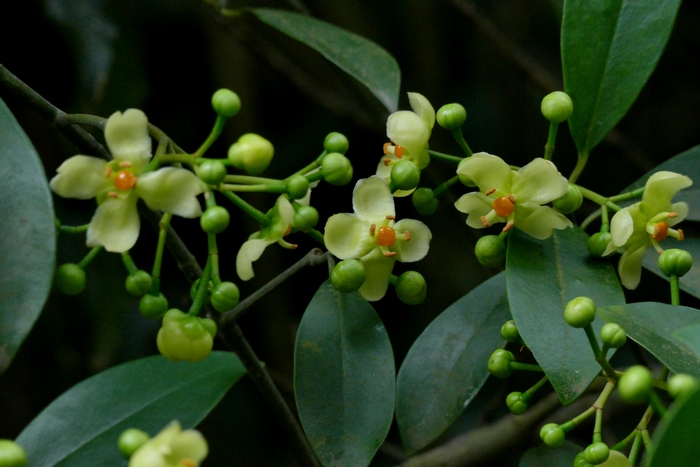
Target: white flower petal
[(622, 226), (250, 251), (539, 221), (538, 182), (423, 108), (81, 177), (191, 445), (409, 130), (476, 205), (127, 137), (378, 268), (115, 225), (630, 265), (680, 208), (346, 236), (487, 171), (660, 190), (372, 200), (172, 190), (417, 247)]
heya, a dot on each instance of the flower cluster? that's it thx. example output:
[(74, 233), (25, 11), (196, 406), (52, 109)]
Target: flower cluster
[(172, 447)]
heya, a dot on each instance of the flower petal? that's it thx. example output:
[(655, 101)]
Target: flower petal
[(423, 108), (171, 189), (127, 137), (487, 171), (372, 200), (378, 268), (539, 221), (476, 205), (346, 236), (417, 247), (626, 222), (660, 190), (81, 177), (409, 130), (680, 208), (538, 182), (630, 265), (250, 251), (115, 225), (189, 445)]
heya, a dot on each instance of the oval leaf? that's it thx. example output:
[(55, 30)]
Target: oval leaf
[(361, 58), (652, 325), (691, 336), (343, 377), (609, 49), (28, 236), (542, 277), (675, 440), (82, 426), (446, 366)]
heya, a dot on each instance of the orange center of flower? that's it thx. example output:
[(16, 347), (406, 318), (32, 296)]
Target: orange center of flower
[(660, 231), (124, 180), (386, 236), (503, 206)]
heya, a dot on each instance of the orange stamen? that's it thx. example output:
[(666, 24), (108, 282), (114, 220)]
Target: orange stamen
[(508, 226), (671, 215), (503, 206), (386, 148), (288, 231), (108, 172), (680, 235), (660, 231), (399, 151), (484, 221), (124, 180), (372, 229), (112, 194), (386, 236), (489, 191), (386, 161), (408, 236), (391, 218), (390, 253), (125, 164)]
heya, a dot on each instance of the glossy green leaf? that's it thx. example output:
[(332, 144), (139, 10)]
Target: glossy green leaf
[(361, 58), (609, 48), (542, 277), (691, 336), (82, 426), (344, 377), (691, 281), (652, 325), (675, 442), (27, 236), (446, 366), (546, 456)]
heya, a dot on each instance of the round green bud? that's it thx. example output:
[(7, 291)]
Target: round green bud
[(616, 459), (215, 219), (411, 288), (348, 275), (557, 107), (596, 453), (490, 250), (516, 402), (451, 116), (579, 312), (675, 262), (305, 218), (463, 178), (131, 440), (69, 279), (226, 103), (184, 337), (552, 435), (297, 186), (251, 153), (195, 287), (405, 175), (598, 243), (336, 169), (153, 306), (635, 384), (336, 142), (424, 201), (613, 335), (211, 172), (499, 363), (570, 202), (12, 454), (681, 384), (509, 331), (225, 296), (138, 283), (580, 461)]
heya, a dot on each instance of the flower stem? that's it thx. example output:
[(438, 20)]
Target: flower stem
[(214, 258), (89, 257), (250, 180), (316, 235), (129, 263), (580, 164), (73, 229), (213, 136), (444, 186), (445, 157), (627, 196), (259, 217), (201, 290), (459, 137), (170, 158), (525, 367), (155, 275), (675, 289), (551, 139), (599, 357)]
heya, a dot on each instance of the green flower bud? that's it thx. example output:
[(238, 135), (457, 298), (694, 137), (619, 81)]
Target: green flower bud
[(153, 306), (581, 461), (195, 287), (226, 103), (348, 276), (251, 153), (405, 175), (131, 440), (12, 454), (411, 288), (184, 337), (305, 218), (424, 201), (215, 219), (336, 169), (211, 172), (635, 384), (138, 283), (613, 335), (297, 186), (499, 363), (451, 116), (463, 178), (557, 107), (490, 250), (336, 142), (579, 312), (509, 332), (552, 435), (596, 453), (70, 279), (225, 296), (616, 459), (570, 202), (517, 403), (681, 385), (675, 262), (598, 243)]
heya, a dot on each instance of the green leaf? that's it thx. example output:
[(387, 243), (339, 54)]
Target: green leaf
[(652, 325), (446, 366), (343, 377), (546, 456), (361, 58), (27, 236), (676, 438), (82, 426), (542, 277), (609, 48), (691, 281), (691, 336)]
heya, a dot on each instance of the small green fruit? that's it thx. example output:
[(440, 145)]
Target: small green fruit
[(251, 153), (411, 288), (681, 385), (635, 384), (336, 169), (297, 186), (348, 276), (225, 296), (490, 251), (517, 403), (70, 279), (12, 454), (613, 335), (451, 116), (131, 440), (405, 175), (336, 142), (616, 459), (424, 201), (557, 107), (675, 262), (499, 363), (226, 103), (215, 220), (509, 331), (305, 218), (153, 306), (596, 453), (579, 312), (211, 172), (138, 283), (570, 202), (552, 435), (598, 243)]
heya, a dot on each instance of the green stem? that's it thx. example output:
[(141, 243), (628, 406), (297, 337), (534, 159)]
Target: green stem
[(551, 139), (250, 180), (313, 165), (568, 426), (598, 426), (129, 263), (162, 234), (599, 357), (656, 403), (67, 229), (459, 137), (627, 196), (215, 132), (279, 187), (525, 367), (443, 187), (675, 290), (634, 452), (580, 164), (444, 157), (214, 258), (89, 257), (527, 394), (183, 158), (201, 290), (259, 217), (85, 119), (316, 235)]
